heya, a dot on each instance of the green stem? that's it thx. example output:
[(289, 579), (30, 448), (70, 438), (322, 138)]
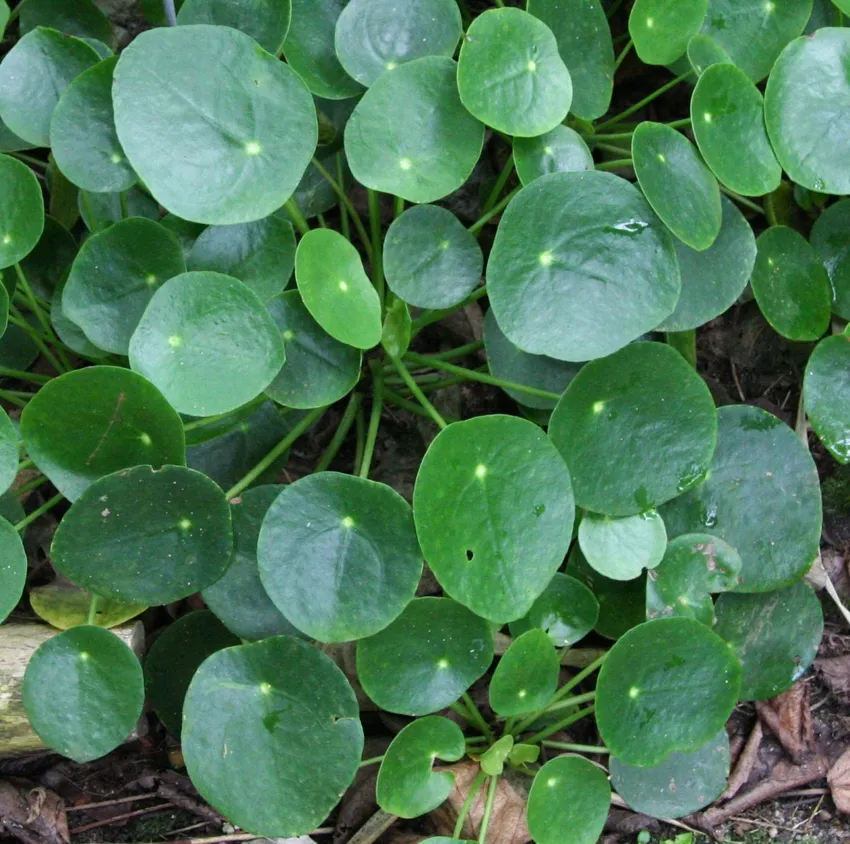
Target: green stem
[(477, 717), (24, 465), (560, 725), (398, 206), (571, 701), (343, 211), (500, 3), (496, 209), (742, 200), (644, 102), (41, 316), (322, 221), (341, 432), (307, 422), (427, 317), (28, 159), (613, 9), (95, 600), (563, 691), (614, 165), (488, 809), (684, 342), (375, 760), (460, 351), (35, 336), (483, 377), (359, 437), (411, 407), (615, 149), (48, 505), (374, 422), (211, 420), (298, 219), (501, 181), (575, 748), (343, 198), (21, 375), (374, 201), (29, 487), (18, 402), (623, 54), (680, 124), (418, 394), (122, 201), (467, 804)]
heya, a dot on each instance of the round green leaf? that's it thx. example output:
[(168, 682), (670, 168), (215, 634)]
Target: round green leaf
[(80, 18), (560, 151), (510, 74), (83, 692), (229, 136), (146, 536), (63, 605), (9, 451), (527, 675), (661, 29), (713, 280), (118, 420), (494, 513), (807, 110), (753, 32), (309, 49), (620, 602), (831, 240), (826, 394), (407, 787), (683, 783), (390, 148), (13, 568), (173, 659), (512, 364), (584, 41), (266, 21), (567, 610), (622, 548), (33, 76), (260, 254), (82, 133), (21, 211), (677, 184), (430, 259), (375, 36), (319, 370), (727, 112), (704, 52), (426, 659), (207, 342), (761, 495), (694, 566), (271, 735), (336, 290), (114, 277), (48, 263), (338, 556), (239, 599), (648, 407), (580, 267), (569, 800), (791, 285), (17, 349), (666, 685), (775, 635)]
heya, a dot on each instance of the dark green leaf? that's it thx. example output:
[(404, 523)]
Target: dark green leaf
[(761, 495), (338, 556), (83, 692), (494, 513), (271, 735), (826, 393), (10, 448), (173, 659), (649, 407), (560, 151), (266, 21), (146, 536), (50, 260), (81, 18), (580, 267), (666, 685), (407, 787), (207, 341), (831, 239), (100, 210), (219, 131), (703, 52), (426, 659), (510, 74), (21, 211), (527, 675), (775, 635), (13, 568)]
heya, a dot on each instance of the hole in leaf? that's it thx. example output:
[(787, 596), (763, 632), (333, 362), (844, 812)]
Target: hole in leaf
[(469, 554)]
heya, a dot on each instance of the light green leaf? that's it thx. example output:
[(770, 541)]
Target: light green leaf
[(661, 29), (622, 548), (560, 151), (527, 675)]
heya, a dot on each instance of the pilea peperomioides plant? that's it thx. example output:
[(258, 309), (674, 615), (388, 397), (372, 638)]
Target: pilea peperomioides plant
[(155, 205)]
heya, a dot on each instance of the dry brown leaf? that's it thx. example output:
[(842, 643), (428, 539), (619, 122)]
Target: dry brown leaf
[(835, 672), (32, 814), (839, 782), (507, 823)]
